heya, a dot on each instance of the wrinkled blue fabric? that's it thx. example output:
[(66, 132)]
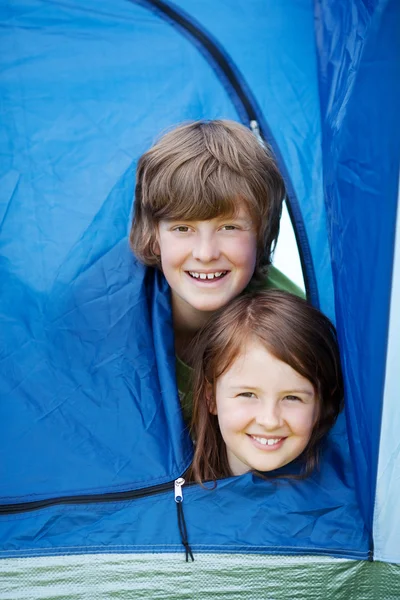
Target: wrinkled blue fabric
[(361, 168), (88, 400)]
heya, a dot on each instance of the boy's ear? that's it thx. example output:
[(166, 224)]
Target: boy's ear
[(212, 405), (156, 248), (155, 245)]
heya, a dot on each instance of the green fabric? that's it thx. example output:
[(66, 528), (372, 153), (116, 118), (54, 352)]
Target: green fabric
[(167, 576), (273, 280), (183, 380)]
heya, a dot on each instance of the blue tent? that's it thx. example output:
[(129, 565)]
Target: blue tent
[(92, 437)]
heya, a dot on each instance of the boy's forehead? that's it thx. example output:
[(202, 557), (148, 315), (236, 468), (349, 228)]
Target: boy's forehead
[(239, 210)]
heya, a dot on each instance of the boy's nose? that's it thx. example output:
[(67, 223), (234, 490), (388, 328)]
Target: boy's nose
[(206, 248)]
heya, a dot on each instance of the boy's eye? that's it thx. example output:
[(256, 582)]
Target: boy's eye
[(229, 227), (181, 228)]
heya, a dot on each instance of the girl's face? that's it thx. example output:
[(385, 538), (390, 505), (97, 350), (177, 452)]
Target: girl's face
[(207, 263), (266, 411)]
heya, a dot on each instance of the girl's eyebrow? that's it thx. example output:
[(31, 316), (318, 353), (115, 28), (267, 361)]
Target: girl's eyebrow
[(244, 387), (300, 391), (306, 392)]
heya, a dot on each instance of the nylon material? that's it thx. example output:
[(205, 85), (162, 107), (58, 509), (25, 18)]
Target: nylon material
[(361, 165), (63, 350), (290, 517), (281, 72), (88, 119), (93, 406), (127, 576), (82, 405), (308, 510)]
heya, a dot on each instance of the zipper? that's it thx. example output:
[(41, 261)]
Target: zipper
[(181, 517), (12, 509)]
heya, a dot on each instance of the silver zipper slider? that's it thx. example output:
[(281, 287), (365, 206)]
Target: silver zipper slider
[(178, 489), (256, 130)]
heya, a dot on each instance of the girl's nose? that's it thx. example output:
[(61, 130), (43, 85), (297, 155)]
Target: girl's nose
[(269, 415), (205, 248)]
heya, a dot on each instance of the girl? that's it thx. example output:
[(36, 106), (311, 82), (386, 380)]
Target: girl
[(267, 386)]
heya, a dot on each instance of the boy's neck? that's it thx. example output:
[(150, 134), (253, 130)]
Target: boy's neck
[(187, 322)]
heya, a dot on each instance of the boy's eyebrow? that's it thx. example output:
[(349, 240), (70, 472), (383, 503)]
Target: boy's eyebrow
[(242, 218)]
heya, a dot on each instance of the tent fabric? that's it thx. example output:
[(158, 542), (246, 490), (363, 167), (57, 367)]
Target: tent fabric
[(94, 407), (88, 400), (97, 393), (361, 172), (248, 515), (70, 187), (229, 576)]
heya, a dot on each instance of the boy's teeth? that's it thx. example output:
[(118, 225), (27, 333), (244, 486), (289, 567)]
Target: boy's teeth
[(206, 275), (266, 442)]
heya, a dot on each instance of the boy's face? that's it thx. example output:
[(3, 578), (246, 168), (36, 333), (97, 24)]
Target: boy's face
[(266, 411), (207, 263)]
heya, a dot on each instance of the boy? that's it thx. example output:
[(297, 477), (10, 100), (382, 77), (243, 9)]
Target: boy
[(208, 202)]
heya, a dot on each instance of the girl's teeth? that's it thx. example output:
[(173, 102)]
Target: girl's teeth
[(266, 442)]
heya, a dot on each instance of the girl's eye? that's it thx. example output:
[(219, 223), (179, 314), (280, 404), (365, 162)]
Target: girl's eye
[(247, 394), (293, 398)]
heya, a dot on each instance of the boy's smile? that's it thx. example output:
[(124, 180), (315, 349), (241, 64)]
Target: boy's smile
[(207, 263), (208, 275)]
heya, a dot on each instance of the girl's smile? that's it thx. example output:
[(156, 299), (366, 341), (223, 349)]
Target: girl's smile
[(266, 411), (267, 444)]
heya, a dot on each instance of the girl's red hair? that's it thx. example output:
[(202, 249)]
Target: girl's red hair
[(295, 333)]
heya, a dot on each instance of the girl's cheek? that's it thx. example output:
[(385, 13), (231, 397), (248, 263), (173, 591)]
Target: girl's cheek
[(239, 415), (303, 421)]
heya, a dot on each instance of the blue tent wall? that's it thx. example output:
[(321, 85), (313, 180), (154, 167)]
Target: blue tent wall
[(361, 170), (75, 132), (80, 110)]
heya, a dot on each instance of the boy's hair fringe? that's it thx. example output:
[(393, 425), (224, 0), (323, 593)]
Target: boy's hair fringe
[(295, 333), (201, 171)]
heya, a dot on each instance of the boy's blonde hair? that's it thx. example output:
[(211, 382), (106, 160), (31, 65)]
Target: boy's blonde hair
[(200, 171)]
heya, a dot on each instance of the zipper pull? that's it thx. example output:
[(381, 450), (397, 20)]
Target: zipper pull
[(181, 518), (178, 489)]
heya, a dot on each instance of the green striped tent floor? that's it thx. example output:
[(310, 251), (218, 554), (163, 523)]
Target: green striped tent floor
[(229, 577)]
